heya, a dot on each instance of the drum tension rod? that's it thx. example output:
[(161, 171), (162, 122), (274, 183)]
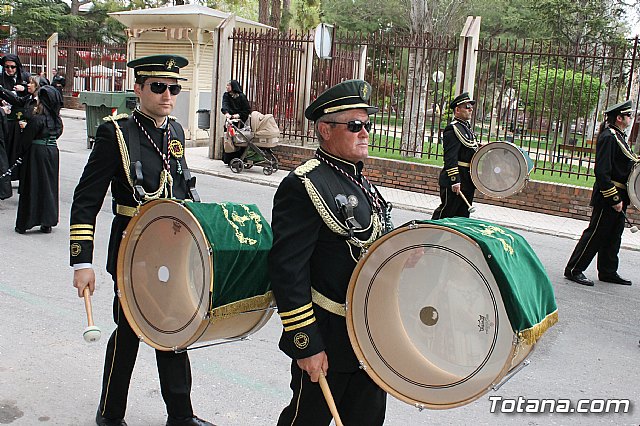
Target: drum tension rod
[(237, 339), (511, 374)]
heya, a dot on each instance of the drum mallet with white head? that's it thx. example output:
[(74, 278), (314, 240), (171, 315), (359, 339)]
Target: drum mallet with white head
[(329, 398), (91, 333), (633, 228), (471, 208)]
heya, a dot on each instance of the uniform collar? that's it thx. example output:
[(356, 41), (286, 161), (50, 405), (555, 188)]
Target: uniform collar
[(149, 120), (620, 132), (354, 169)]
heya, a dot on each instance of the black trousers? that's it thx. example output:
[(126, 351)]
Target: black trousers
[(174, 371), (603, 237), (359, 400), (451, 204)]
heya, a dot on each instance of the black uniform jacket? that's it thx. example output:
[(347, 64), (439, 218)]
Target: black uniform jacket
[(457, 155), (307, 253), (612, 169), (104, 168)]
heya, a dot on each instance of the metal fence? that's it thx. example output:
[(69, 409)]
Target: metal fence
[(548, 98), (543, 96), (85, 66)]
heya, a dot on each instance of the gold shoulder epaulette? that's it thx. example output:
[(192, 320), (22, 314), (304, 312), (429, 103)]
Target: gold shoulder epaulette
[(306, 167), (115, 117)]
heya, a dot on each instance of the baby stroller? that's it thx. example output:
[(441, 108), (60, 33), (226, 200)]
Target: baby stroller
[(256, 137)]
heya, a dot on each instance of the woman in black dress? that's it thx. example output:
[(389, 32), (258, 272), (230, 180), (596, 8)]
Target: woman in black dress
[(38, 203)]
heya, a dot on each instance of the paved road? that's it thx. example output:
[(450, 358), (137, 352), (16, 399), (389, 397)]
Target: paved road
[(49, 375)]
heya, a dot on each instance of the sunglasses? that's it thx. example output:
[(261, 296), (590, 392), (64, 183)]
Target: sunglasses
[(468, 106), (11, 67), (626, 114), (159, 88), (354, 126)]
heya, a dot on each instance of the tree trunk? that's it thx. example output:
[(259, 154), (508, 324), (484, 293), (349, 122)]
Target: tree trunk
[(414, 109), (263, 11), (286, 15), (276, 11)]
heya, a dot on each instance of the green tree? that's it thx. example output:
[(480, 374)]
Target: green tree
[(567, 94)]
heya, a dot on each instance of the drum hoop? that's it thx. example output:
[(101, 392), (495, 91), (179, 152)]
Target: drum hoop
[(482, 188), (632, 188), (124, 301), (360, 353)]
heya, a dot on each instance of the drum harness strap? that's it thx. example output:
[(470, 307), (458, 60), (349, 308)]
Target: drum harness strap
[(327, 304), (468, 142), (328, 217), (133, 168), (623, 145)]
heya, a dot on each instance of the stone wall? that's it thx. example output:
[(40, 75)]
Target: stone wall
[(560, 200)]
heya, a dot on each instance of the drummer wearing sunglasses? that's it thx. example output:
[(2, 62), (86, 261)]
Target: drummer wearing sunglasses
[(459, 144), (324, 214), (141, 158), (610, 198)]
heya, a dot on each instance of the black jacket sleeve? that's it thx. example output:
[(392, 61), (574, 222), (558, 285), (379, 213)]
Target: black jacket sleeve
[(90, 192), (296, 226)]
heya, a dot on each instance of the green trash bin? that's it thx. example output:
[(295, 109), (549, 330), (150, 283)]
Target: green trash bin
[(101, 104)]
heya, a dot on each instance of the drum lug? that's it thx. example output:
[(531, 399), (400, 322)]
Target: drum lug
[(412, 225), (363, 366), (420, 407), (118, 294)]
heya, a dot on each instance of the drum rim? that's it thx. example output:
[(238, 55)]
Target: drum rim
[(632, 190), (476, 180), (124, 301), (361, 357)]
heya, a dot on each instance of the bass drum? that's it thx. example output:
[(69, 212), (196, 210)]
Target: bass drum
[(194, 272), (500, 169), (633, 186), (426, 319)]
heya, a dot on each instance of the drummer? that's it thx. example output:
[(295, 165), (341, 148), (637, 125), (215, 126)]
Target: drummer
[(614, 160), (324, 213), (154, 141), (459, 144)]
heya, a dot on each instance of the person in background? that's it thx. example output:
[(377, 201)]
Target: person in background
[(14, 80), (235, 105), (603, 236), (459, 144), (38, 202), (58, 81), (5, 177)]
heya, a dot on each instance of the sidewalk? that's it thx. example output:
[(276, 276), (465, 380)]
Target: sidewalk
[(199, 162)]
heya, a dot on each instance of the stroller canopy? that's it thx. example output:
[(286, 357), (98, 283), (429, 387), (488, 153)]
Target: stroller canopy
[(264, 125)]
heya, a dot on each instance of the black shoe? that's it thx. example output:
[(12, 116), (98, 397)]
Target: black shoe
[(189, 421), (615, 279), (20, 231), (103, 421), (579, 278), (45, 229)]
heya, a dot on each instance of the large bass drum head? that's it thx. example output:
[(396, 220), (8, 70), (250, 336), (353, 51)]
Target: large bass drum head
[(426, 320), (500, 169), (633, 186), (164, 275)]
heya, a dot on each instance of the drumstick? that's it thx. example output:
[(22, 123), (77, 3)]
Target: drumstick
[(633, 228), (327, 395), (91, 333), (471, 208)]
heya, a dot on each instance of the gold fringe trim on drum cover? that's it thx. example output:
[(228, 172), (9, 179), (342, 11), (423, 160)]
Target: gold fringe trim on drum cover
[(255, 303), (531, 335)]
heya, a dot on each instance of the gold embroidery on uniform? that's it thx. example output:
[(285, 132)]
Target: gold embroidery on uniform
[(75, 249), (301, 340), (176, 149)]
